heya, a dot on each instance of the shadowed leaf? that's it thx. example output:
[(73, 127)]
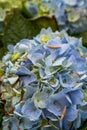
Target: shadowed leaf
[(19, 27), (84, 37)]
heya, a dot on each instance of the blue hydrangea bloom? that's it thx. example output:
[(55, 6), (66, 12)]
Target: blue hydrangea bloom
[(44, 83)]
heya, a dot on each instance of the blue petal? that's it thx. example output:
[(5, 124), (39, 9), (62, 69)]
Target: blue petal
[(30, 111), (48, 90), (23, 71), (83, 115), (71, 113), (49, 115), (28, 80), (56, 103), (52, 58), (35, 58), (70, 2), (50, 70), (76, 96), (27, 63), (26, 124), (10, 48), (40, 99), (78, 64), (29, 92), (66, 80), (59, 61), (17, 110), (77, 122)]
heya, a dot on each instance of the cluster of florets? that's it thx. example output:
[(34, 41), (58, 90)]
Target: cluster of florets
[(70, 14), (43, 83)]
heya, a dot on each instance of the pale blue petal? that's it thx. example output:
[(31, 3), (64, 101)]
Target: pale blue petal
[(30, 111)]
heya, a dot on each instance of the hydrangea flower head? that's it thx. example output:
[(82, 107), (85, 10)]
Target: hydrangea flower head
[(43, 81)]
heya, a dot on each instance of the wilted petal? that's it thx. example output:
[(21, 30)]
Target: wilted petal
[(54, 43)]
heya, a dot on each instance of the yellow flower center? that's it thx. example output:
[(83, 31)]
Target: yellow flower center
[(15, 56), (45, 38)]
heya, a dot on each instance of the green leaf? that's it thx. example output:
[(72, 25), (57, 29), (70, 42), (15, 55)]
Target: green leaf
[(19, 27), (84, 127), (2, 112), (84, 37), (44, 123), (25, 11), (2, 52)]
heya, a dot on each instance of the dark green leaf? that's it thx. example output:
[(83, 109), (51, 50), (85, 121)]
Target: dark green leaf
[(2, 52), (19, 27), (84, 127), (84, 37), (2, 112)]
